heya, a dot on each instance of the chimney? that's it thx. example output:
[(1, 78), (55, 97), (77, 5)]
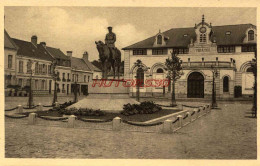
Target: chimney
[(34, 40), (69, 53), (85, 56), (43, 44)]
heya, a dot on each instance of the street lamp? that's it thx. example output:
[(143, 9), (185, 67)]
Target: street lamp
[(75, 86), (30, 100), (55, 76), (140, 66), (214, 101)]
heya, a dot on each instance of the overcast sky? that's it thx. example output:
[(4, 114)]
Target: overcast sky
[(77, 28)]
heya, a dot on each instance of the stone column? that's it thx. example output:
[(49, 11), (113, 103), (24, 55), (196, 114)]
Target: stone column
[(189, 117)]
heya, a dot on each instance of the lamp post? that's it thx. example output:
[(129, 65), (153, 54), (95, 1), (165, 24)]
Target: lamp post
[(55, 76), (214, 101), (140, 66), (75, 86)]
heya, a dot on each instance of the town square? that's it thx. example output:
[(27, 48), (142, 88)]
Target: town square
[(90, 83)]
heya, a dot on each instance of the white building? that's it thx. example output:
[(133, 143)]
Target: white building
[(229, 49)]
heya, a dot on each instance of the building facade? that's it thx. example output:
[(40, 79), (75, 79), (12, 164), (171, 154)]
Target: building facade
[(204, 48), (29, 63)]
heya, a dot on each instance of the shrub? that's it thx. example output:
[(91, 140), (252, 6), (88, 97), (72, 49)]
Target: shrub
[(146, 107), (81, 112)]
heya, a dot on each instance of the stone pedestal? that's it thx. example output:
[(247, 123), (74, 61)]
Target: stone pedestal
[(180, 120), (116, 124), (167, 126), (71, 121), (40, 107), (19, 109), (32, 119)]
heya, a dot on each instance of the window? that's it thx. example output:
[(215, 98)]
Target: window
[(43, 85), (160, 70), (68, 75), (249, 70), (20, 66), (228, 33), (63, 75), (203, 38), (226, 49), (49, 69), (225, 84), (248, 48), (159, 39), (85, 78), (88, 78), (181, 50), (10, 61), (28, 67), (160, 51), (140, 52), (72, 77), (251, 35), (28, 82), (37, 68), (36, 84), (140, 77), (20, 82)]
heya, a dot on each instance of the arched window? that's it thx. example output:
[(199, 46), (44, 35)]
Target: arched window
[(249, 70), (140, 77), (251, 35), (226, 84), (160, 70), (159, 39), (203, 37)]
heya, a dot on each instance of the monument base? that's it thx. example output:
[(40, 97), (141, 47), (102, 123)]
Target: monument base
[(109, 96)]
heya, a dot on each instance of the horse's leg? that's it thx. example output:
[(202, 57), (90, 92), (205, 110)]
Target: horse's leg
[(114, 68), (118, 70), (105, 70)]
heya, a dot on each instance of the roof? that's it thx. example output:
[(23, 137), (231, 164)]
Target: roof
[(8, 42), (92, 67), (57, 53), (79, 64), (177, 38), (29, 50)]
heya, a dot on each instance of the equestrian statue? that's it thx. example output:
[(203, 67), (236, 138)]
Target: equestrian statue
[(109, 55)]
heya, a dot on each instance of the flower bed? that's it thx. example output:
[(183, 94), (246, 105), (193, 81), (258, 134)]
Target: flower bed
[(146, 107)]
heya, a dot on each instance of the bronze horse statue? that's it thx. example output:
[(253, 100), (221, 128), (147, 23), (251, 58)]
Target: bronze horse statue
[(109, 57)]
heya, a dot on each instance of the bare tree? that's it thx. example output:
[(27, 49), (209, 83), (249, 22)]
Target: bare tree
[(174, 69)]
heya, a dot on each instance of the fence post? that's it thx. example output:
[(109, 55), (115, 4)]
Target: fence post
[(180, 120), (32, 119), (167, 126), (40, 107), (180, 106), (56, 105), (116, 124), (71, 121), (19, 109), (189, 117)]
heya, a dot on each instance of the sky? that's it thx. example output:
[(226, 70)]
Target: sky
[(77, 28)]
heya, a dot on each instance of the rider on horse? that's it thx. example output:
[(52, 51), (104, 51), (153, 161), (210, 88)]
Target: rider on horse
[(110, 38)]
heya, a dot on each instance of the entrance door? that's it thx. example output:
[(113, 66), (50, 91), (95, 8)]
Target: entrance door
[(195, 85), (84, 89)]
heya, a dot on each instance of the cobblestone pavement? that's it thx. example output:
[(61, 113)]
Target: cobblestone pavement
[(222, 134)]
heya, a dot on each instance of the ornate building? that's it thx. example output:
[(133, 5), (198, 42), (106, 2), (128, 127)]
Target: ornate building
[(203, 48)]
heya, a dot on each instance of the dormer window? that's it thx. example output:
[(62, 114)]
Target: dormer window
[(251, 35), (159, 39)]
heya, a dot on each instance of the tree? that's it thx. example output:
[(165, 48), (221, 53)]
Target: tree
[(174, 69), (254, 66), (30, 99)]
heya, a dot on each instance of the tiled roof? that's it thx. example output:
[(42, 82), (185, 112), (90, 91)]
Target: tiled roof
[(57, 53), (79, 64), (8, 42), (177, 38), (29, 50)]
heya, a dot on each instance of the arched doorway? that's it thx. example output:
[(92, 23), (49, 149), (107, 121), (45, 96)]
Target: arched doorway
[(195, 85)]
